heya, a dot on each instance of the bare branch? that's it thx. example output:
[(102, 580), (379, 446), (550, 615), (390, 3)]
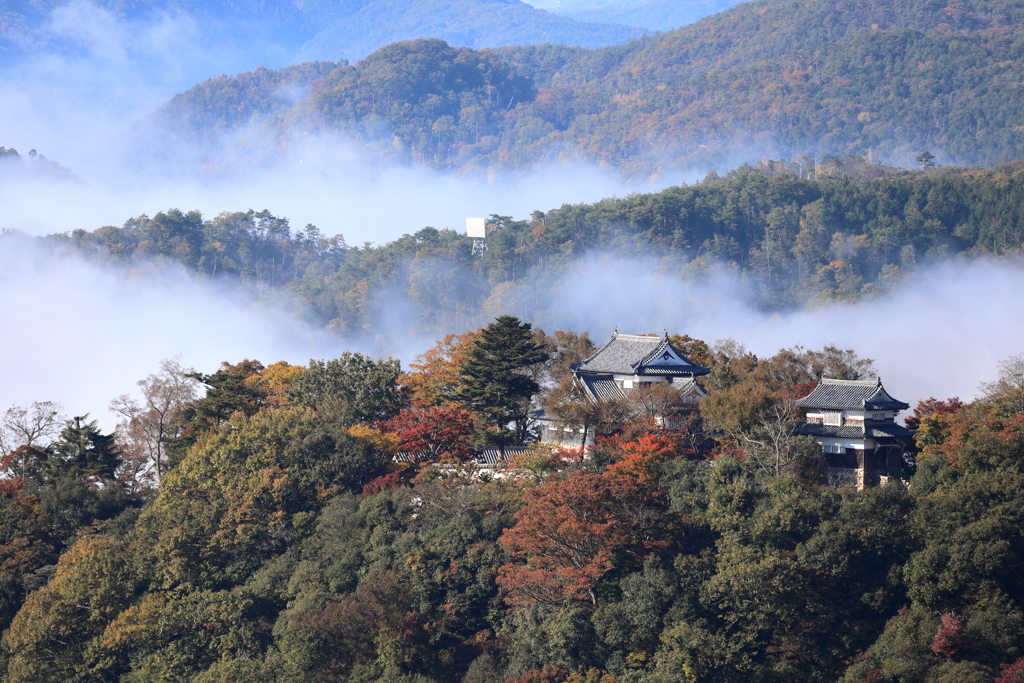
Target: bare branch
[(152, 422), (35, 426)]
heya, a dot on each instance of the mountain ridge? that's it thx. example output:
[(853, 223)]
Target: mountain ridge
[(767, 78), (263, 31)]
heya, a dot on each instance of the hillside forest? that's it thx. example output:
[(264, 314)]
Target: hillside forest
[(854, 231), (772, 77), (330, 523)]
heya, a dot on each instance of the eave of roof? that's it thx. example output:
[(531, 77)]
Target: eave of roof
[(844, 432), (872, 429), (602, 387)]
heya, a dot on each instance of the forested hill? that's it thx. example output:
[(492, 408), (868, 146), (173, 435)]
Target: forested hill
[(854, 231), (13, 164), (816, 77), (328, 524)]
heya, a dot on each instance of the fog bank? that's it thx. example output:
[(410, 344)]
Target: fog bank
[(82, 334), (939, 334), (84, 98)]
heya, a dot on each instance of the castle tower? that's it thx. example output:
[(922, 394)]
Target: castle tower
[(855, 423)]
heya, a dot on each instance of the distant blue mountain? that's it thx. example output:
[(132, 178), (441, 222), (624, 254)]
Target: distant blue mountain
[(468, 23), (280, 32), (658, 15)]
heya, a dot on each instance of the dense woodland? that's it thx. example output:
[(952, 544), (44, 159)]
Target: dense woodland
[(817, 78), (856, 231), (254, 524)]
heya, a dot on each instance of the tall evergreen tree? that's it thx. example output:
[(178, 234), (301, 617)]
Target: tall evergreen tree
[(82, 451), (493, 381)]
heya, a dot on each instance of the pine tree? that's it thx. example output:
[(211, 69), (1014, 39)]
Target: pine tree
[(493, 382), (926, 159), (83, 451)]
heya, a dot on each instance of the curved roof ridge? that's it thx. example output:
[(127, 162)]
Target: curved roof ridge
[(631, 354), (851, 394), (861, 382), (615, 334), (654, 352)]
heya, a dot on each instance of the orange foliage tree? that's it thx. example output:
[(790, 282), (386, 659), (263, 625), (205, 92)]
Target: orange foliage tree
[(696, 350), (435, 374), (642, 459), (274, 381), (568, 532)]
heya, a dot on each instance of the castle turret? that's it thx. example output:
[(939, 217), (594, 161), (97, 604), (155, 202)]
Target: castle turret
[(855, 423)]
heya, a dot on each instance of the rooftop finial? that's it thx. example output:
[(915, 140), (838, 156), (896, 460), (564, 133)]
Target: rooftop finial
[(615, 331), (666, 334)]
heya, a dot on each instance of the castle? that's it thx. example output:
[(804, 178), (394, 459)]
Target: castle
[(622, 369), (855, 423), (853, 420)]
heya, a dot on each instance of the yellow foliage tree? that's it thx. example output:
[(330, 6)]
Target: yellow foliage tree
[(435, 375)]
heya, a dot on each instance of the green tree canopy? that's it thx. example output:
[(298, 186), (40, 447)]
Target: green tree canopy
[(83, 451), (493, 380), (355, 387)]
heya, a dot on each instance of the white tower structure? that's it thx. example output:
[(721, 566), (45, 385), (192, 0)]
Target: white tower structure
[(477, 229)]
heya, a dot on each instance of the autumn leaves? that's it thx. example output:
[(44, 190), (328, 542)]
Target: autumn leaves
[(571, 527)]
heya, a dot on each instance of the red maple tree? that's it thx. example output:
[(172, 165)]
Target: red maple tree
[(567, 532), (433, 433), (1012, 673), (933, 406), (949, 638), (642, 459)]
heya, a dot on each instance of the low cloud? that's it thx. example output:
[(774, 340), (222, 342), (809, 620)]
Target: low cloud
[(84, 97), (81, 333), (939, 334)]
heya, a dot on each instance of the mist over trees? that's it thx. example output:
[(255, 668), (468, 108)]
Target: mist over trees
[(856, 231), (302, 533), (33, 165)]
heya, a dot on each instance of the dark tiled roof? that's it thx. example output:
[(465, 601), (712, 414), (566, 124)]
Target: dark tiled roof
[(845, 394), (631, 354), (872, 429), (492, 456), (684, 384), (882, 428), (602, 387), (845, 432), (649, 370), (484, 456)]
